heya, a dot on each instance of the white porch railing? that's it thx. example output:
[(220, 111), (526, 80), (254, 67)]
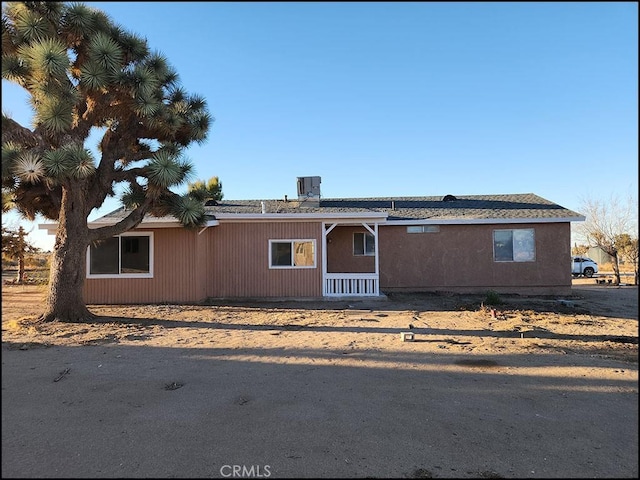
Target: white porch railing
[(351, 284)]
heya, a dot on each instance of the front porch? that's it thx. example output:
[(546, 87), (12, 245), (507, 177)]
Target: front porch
[(351, 284), (339, 254)]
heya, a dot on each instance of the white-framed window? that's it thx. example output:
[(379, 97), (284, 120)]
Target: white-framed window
[(517, 245), (292, 253), (364, 244), (423, 229), (129, 255)]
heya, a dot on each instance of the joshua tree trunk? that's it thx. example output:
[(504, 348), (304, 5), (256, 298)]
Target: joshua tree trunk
[(21, 247), (20, 278), (65, 301)]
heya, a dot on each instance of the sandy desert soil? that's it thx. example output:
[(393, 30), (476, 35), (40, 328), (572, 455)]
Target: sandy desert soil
[(594, 320), (536, 387)]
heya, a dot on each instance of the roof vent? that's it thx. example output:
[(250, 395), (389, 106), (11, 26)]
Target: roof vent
[(448, 198), (211, 203)]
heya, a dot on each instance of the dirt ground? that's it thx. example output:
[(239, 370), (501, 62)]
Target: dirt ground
[(536, 387)]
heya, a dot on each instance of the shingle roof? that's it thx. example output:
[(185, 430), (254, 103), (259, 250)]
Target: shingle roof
[(517, 206), (464, 207)]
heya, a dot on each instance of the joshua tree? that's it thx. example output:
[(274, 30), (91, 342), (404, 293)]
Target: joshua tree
[(15, 246), (210, 190), (85, 75), (7, 201)]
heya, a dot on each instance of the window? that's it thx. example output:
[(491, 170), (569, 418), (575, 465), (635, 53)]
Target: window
[(292, 254), (364, 244), (423, 229), (514, 245), (127, 255)]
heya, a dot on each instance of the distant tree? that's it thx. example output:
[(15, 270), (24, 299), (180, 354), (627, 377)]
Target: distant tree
[(209, 190), (605, 222), (627, 247), (15, 246), (87, 75), (579, 249)]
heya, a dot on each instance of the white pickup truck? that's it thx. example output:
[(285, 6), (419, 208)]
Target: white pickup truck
[(583, 266)]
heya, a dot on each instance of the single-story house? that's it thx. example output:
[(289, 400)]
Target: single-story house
[(312, 247)]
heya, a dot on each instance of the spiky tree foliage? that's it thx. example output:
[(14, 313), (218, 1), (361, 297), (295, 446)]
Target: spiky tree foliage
[(84, 73), (15, 246), (209, 190), (7, 201)]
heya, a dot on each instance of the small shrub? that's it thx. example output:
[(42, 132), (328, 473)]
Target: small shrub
[(492, 298)]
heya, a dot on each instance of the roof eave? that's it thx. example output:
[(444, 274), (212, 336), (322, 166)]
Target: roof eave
[(380, 218), (51, 228), (478, 221)]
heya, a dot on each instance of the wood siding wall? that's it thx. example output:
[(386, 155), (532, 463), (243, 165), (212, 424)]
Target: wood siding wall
[(460, 258), (231, 260), (177, 273), (238, 264)]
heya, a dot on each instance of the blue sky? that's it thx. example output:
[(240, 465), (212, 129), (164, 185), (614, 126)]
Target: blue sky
[(402, 99)]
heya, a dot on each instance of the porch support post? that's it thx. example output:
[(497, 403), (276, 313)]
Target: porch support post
[(325, 232), (374, 232), (375, 236)]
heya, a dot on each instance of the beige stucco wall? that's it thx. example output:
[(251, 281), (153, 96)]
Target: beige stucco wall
[(459, 258), (340, 257)]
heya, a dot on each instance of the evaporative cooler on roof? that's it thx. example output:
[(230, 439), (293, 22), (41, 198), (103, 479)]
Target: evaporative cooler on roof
[(309, 188)]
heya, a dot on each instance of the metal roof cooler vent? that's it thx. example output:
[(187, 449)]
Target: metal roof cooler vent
[(448, 198), (309, 190)]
